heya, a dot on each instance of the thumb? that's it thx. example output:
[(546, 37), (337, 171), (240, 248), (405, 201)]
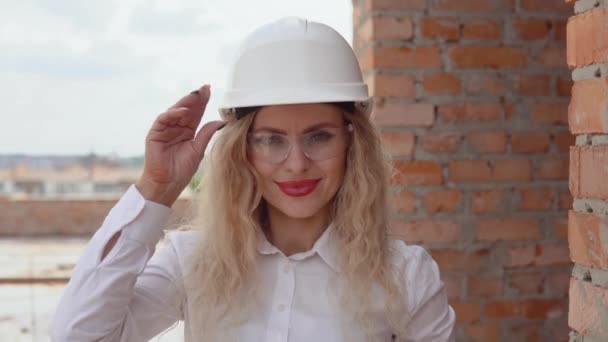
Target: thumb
[(204, 135)]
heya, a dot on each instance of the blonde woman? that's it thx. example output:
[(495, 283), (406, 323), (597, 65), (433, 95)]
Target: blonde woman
[(290, 241)]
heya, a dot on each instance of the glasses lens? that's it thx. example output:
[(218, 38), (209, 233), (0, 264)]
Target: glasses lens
[(323, 143), (270, 147), (320, 144)]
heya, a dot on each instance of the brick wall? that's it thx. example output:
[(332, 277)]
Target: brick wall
[(57, 218), (587, 226), (472, 98)]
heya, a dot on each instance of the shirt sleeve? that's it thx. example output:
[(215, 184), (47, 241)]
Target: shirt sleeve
[(432, 319), (130, 295)]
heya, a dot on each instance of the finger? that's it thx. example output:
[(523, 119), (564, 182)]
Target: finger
[(171, 135), (204, 135), (195, 100), (171, 117)]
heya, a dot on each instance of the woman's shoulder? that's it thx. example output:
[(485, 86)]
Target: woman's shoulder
[(182, 241), (411, 256), (417, 268)]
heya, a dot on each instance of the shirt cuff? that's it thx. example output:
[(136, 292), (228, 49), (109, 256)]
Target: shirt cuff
[(142, 220)]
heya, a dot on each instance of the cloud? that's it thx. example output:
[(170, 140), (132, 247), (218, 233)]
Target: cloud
[(81, 76)]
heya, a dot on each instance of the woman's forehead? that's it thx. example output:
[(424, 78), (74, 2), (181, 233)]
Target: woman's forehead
[(298, 115)]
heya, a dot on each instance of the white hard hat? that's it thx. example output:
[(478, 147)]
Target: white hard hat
[(291, 61)]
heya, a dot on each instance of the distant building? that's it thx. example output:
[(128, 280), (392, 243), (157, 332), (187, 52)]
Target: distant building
[(73, 181)]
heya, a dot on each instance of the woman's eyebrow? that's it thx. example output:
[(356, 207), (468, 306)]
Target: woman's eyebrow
[(308, 129)]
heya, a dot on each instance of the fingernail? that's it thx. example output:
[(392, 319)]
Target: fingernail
[(194, 92)]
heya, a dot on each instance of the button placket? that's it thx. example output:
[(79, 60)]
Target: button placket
[(283, 299)]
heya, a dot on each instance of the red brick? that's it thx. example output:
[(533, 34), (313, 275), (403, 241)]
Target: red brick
[(535, 198), (528, 283), (544, 6), (453, 260), (553, 57), (399, 144), (527, 308), (558, 282), (418, 172), (403, 202), (565, 200), (586, 38), (453, 284), (530, 142), (587, 310), (532, 85), (392, 85), (387, 28), (587, 172), (553, 168), (481, 29), (444, 142), (527, 331), (588, 111), (470, 112), (441, 201), (472, 5), (393, 28), (485, 286), (508, 229), (425, 231), (395, 114), (564, 86), (509, 110), (466, 311), (447, 28), (405, 57), (488, 141), (559, 26), (550, 113), (375, 5), (538, 255), (586, 235), (488, 201), (484, 84), (563, 141), (560, 226), (441, 84), (487, 56), (509, 170), (531, 28), (483, 332)]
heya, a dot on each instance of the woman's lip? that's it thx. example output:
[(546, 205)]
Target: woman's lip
[(298, 188)]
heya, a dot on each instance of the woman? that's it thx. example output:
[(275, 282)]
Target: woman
[(290, 242)]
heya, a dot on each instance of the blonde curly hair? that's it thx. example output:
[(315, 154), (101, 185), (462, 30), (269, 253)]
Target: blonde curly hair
[(222, 281)]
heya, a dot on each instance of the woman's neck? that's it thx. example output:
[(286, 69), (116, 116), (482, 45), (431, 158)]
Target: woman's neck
[(294, 235)]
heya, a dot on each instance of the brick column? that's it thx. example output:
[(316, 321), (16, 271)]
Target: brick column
[(588, 221), (472, 96)]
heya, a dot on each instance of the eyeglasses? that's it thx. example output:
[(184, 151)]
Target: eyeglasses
[(317, 145)]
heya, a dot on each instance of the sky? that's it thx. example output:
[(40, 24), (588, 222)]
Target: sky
[(79, 77)]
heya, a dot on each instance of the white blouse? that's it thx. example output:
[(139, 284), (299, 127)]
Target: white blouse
[(131, 294)]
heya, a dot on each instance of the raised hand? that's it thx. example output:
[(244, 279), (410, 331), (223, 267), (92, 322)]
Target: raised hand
[(173, 148)]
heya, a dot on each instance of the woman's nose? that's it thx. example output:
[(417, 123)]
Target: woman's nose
[(297, 161)]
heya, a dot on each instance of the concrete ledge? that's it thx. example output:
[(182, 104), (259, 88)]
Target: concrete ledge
[(586, 5), (595, 276)]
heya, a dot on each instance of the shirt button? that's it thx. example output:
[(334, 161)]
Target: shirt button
[(281, 308), (286, 268)]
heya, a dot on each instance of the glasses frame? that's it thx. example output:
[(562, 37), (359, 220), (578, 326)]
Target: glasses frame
[(347, 129)]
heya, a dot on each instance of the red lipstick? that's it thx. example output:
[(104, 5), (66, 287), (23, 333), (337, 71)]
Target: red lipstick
[(298, 188)]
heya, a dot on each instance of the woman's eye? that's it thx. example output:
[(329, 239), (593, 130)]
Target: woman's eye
[(269, 140), (320, 136)]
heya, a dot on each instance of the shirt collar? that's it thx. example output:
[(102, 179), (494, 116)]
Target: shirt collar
[(325, 247)]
